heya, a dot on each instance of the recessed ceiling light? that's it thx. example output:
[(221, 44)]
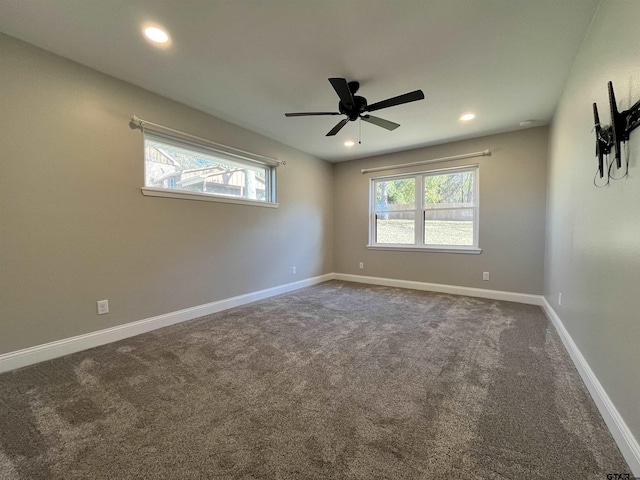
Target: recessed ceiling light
[(526, 123), (349, 143), (156, 35), (467, 116)]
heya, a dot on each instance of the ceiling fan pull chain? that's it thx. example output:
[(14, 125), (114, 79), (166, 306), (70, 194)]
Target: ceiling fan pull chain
[(360, 132)]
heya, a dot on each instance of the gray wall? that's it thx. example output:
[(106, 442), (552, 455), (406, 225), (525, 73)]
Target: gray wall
[(512, 210), (75, 228), (593, 234)]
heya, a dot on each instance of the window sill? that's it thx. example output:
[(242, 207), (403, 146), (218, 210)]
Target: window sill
[(411, 248), (161, 192)]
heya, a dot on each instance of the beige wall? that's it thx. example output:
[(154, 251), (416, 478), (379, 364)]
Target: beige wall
[(75, 228), (593, 234), (512, 209)]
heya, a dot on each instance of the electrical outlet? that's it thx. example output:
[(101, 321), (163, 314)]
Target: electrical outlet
[(485, 275), (103, 307), (293, 270), (560, 298), (361, 266)]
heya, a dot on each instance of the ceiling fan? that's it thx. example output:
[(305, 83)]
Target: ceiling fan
[(355, 107)]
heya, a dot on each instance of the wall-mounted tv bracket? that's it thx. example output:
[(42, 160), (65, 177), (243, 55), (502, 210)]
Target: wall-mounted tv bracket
[(603, 140), (622, 124)]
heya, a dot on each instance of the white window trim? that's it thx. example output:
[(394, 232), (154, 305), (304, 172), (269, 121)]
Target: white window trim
[(207, 197), (419, 246), (414, 248), (212, 197)]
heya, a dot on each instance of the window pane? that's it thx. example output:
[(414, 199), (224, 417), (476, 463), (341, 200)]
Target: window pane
[(449, 227), (392, 195), (181, 168), (395, 227), (449, 190)]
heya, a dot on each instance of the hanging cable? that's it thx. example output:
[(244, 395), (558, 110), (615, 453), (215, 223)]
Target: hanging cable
[(626, 160), (595, 177)]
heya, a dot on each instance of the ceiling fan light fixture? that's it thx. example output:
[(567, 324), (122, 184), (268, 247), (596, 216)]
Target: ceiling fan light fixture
[(349, 143), (467, 117), (156, 35)]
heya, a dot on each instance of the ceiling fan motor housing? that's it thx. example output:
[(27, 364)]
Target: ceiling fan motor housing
[(359, 106)]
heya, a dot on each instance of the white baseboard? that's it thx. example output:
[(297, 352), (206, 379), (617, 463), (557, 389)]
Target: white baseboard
[(622, 435), (441, 288), (40, 353), (627, 443), (59, 348), (625, 440)]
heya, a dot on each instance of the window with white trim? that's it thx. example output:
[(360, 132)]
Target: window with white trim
[(433, 210), (176, 167)]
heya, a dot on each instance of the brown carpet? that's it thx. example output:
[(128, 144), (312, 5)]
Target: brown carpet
[(336, 381)]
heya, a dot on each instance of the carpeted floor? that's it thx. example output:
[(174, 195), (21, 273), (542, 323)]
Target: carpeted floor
[(336, 381)]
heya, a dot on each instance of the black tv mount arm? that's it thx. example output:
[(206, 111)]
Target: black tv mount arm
[(622, 124), (603, 140)]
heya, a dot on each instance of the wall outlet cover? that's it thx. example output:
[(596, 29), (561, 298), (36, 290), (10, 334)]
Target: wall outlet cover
[(103, 307)]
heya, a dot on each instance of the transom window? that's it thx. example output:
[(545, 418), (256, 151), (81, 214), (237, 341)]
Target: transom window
[(426, 210), (175, 165)]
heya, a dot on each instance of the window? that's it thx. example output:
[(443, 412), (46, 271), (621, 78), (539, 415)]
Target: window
[(177, 168), (435, 210)]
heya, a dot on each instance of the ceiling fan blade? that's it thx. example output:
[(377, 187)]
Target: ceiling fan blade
[(308, 114), (381, 122), (341, 87), (337, 128), (399, 100)]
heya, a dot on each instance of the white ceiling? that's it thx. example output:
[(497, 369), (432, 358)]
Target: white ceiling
[(249, 62)]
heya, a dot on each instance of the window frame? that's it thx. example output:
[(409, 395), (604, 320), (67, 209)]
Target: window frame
[(420, 212), (197, 147)]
